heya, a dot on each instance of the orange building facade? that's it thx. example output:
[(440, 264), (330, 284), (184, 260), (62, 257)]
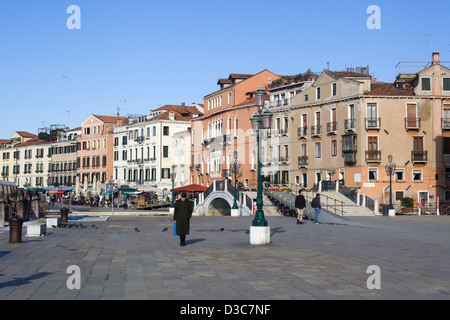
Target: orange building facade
[(225, 128), (95, 148)]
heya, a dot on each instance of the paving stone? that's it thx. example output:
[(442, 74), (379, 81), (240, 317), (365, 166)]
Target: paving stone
[(302, 262)]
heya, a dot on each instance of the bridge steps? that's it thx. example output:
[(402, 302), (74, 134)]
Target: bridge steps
[(269, 208)]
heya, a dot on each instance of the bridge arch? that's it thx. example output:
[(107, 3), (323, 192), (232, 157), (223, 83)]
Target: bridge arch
[(219, 207)]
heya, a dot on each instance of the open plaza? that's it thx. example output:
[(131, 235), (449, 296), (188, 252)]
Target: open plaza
[(134, 256)]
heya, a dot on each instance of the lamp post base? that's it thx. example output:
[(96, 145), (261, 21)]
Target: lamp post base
[(391, 212), (259, 235), (235, 213), (171, 210)]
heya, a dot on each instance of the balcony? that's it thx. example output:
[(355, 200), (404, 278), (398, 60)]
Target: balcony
[(332, 128), (350, 125), (302, 133), (227, 138), (419, 156), (216, 141), (412, 124), (350, 158), (140, 139), (373, 156), (284, 160), (373, 123), (316, 131), (302, 162), (445, 123)]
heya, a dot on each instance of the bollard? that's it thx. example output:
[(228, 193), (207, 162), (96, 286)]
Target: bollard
[(64, 215), (15, 229)]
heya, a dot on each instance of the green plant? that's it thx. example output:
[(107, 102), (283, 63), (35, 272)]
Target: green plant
[(407, 202)]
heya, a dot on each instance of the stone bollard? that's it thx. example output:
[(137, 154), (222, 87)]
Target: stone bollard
[(15, 229), (64, 215)]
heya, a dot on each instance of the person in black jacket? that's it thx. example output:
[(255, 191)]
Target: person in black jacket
[(300, 205), (316, 205), (182, 216)]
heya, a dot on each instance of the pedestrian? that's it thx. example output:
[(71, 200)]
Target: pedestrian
[(182, 216), (316, 205), (300, 205)]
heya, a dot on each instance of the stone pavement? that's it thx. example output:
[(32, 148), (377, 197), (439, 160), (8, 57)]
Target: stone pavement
[(118, 261)]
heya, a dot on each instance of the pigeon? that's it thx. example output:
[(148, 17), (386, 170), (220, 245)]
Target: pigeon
[(165, 229), (221, 229), (94, 226), (137, 230)]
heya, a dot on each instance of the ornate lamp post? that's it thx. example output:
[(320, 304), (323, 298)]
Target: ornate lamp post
[(260, 232), (172, 176), (236, 166), (390, 169)]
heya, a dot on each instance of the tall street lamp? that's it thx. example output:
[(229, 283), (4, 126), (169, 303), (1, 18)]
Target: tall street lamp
[(236, 166), (390, 169), (259, 231), (172, 175)]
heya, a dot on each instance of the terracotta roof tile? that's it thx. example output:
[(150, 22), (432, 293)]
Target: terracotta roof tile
[(32, 143), (26, 134), (110, 119), (389, 89)]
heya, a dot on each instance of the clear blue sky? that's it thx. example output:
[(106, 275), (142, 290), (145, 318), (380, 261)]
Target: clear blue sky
[(152, 53)]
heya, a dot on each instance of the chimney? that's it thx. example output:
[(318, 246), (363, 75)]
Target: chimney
[(436, 58), (182, 104), (171, 115)]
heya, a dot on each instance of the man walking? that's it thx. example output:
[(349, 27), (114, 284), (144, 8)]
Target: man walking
[(316, 205), (300, 205), (182, 216)]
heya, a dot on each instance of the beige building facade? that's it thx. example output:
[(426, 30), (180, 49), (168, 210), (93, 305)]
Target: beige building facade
[(347, 124)]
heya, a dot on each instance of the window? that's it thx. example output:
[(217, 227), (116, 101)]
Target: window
[(318, 149), (165, 151), (426, 84), (446, 84), (399, 175), (334, 89), (318, 93), (165, 131), (334, 148), (417, 175), (399, 195), (306, 97), (372, 120), (373, 174)]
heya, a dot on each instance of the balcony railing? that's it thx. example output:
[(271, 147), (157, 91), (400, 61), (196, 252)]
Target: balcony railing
[(419, 156), (445, 123), (373, 156), (302, 132), (412, 123), (373, 123), (331, 127), (350, 124), (316, 130), (302, 161)]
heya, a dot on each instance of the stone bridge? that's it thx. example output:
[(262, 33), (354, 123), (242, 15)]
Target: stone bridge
[(218, 200)]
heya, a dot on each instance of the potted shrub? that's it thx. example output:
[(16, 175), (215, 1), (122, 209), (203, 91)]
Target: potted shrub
[(407, 205)]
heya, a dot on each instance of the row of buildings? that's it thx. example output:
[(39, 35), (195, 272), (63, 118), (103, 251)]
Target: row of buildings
[(336, 125)]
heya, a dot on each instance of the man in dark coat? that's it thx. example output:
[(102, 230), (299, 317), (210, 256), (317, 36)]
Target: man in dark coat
[(300, 205), (182, 216), (316, 205)]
